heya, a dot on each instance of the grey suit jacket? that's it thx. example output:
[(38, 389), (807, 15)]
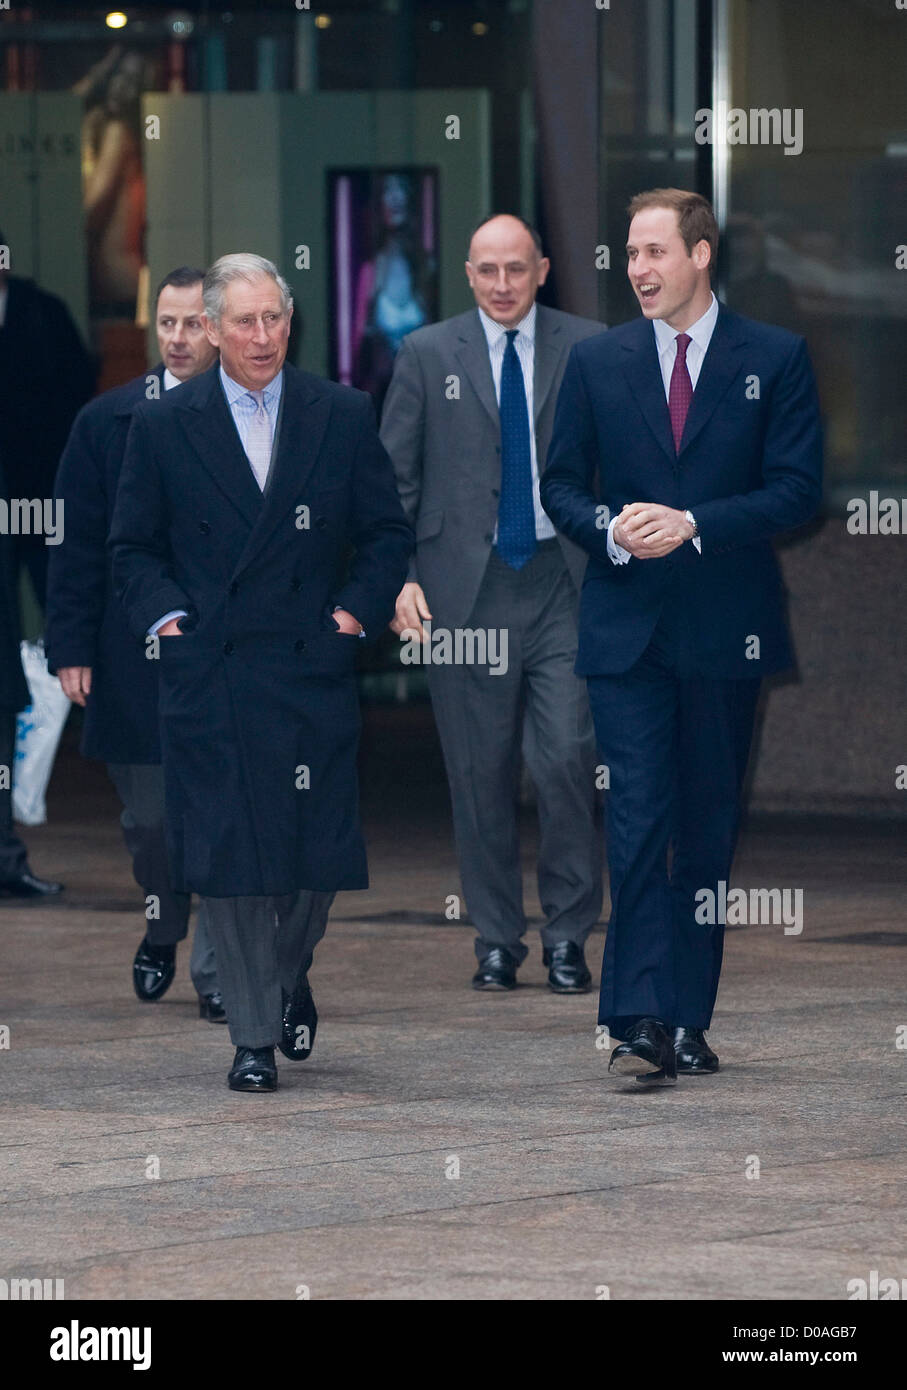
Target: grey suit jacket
[(441, 427)]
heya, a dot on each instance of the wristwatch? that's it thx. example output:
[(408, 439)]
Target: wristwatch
[(692, 520)]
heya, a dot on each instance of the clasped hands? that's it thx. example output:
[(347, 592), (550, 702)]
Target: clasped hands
[(649, 530)]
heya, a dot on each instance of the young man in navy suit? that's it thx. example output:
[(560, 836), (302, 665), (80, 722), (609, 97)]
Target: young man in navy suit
[(683, 442)]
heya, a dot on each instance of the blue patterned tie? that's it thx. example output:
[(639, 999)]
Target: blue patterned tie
[(516, 514)]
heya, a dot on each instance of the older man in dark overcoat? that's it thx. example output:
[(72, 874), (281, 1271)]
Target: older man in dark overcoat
[(258, 538)]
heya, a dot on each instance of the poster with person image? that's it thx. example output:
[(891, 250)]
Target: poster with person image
[(384, 268)]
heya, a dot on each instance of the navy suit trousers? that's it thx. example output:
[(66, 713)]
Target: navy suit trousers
[(676, 746)]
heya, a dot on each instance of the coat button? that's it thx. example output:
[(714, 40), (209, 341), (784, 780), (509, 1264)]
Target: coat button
[(299, 646), (495, 492), (204, 528), (234, 588), (489, 538), (296, 585), (229, 649), (320, 522)]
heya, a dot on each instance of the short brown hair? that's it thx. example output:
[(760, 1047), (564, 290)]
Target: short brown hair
[(695, 215)]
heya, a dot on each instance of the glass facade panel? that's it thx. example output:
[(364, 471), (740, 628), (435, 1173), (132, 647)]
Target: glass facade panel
[(813, 234)]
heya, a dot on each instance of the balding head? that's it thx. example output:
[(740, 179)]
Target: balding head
[(505, 268)]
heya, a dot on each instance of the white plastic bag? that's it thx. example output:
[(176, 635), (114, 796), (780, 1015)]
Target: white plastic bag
[(38, 730)]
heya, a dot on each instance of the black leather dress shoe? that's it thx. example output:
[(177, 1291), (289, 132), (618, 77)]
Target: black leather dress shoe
[(568, 972), (300, 1021), (496, 971), (152, 972), (693, 1054), (647, 1054), (253, 1070), (28, 885), (211, 1007)]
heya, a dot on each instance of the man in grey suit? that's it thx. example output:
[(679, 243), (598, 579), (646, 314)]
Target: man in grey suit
[(494, 593)]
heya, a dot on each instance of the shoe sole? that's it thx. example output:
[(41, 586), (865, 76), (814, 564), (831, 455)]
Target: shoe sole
[(495, 989), (697, 1071), (646, 1073), (569, 989), (250, 1089)]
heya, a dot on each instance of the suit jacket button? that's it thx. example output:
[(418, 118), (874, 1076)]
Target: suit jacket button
[(229, 649), (495, 492), (299, 646), (489, 538), (234, 587), (204, 528)]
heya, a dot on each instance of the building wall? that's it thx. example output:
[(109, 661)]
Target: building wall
[(833, 738)]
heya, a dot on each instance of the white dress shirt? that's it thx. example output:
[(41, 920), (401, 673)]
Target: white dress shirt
[(524, 342), (700, 335), (243, 407)]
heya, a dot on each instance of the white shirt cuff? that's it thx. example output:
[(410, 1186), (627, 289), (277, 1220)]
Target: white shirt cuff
[(162, 622), (616, 553)]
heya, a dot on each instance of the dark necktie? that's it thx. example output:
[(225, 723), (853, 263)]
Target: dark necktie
[(681, 390), (516, 515)]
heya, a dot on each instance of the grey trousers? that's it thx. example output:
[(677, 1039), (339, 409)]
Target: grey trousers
[(264, 946), (538, 708), (140, 787)]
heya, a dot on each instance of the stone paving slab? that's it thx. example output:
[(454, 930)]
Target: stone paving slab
[(339, 1182)]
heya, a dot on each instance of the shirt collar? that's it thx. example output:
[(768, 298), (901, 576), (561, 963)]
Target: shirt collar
[(170, 380), (701, 331), (234, 392), (495, 331)]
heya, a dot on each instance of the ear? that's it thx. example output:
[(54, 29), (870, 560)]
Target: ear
[(702, 255), (210, 331), (544, 267)]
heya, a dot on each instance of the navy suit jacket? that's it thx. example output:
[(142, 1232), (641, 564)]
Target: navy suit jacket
[(749, 466), (86, 624)]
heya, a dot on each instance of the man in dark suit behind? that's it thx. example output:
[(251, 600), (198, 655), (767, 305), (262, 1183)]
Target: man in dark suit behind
[(102, 666), (467, 422), (242, 496), (695, 434)]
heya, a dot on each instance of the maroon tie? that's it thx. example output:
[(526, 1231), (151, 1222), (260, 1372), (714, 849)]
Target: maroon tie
[(681, 390)]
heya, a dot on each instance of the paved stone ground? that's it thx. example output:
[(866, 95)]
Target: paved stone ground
[(340, 1182)]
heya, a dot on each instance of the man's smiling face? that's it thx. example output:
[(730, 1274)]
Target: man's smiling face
[(670, 282)]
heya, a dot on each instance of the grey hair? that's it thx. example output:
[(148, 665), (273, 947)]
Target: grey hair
[(242, 265)]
